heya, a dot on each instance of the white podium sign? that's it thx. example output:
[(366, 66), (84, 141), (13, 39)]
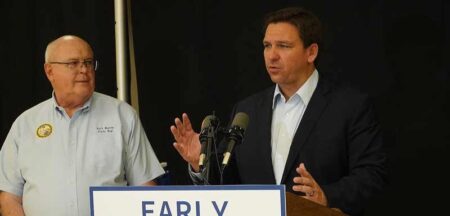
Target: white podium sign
[(224, 200)]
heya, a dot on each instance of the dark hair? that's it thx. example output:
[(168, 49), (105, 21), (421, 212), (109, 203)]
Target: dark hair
[(308, 25)]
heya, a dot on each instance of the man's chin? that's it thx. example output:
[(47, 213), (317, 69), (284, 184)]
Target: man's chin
[(84, 93), (275, 79)]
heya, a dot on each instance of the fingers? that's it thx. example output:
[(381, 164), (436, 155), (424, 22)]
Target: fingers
[(308, 190), (304, 183), (180, 127), (186, 121), (302, 171), (175, 132)]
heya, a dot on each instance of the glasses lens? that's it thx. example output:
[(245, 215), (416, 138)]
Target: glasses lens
[(90, 64)]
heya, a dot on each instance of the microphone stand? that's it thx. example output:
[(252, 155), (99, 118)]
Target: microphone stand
[(207, 164), (224, 133), (211, 141)]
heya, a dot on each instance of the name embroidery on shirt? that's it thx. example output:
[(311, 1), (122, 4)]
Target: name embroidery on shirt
[(44, 130), (105, 129)]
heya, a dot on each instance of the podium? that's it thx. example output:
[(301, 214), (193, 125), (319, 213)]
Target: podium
[(265, 200), (297, 205)]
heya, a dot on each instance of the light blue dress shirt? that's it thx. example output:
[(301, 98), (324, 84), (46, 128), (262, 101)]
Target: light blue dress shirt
[(286, 118), (51, 160), (285, 121)]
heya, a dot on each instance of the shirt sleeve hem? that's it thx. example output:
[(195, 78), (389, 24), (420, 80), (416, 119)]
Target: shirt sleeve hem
[(11, 190)]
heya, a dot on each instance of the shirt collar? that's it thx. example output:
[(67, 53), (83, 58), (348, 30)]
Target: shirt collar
[(84, 108), (304, 92)]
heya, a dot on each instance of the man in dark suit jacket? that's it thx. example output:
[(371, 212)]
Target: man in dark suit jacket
[(303, 121)]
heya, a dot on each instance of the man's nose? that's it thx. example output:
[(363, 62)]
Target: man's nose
[(83, 67), (273, 54)]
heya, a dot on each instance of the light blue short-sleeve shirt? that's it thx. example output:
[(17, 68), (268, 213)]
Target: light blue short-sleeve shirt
[(51, 160)]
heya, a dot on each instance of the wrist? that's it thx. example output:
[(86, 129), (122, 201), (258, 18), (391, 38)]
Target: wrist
[(195, 167)]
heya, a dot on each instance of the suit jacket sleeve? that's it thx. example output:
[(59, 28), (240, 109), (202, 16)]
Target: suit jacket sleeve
[(366, 162)]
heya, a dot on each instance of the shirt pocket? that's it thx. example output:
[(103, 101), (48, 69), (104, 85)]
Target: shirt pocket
[(104, 156)]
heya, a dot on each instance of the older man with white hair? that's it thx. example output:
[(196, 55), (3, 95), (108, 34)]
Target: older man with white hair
[(76, 139)]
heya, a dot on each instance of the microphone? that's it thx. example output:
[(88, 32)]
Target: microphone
[(235, 134), (207, 132)]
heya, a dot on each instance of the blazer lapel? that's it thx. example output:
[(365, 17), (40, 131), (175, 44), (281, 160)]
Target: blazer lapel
[(312, 113), (265, 116)]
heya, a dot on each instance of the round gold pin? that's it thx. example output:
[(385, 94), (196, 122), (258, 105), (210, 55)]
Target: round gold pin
[(44, 130)]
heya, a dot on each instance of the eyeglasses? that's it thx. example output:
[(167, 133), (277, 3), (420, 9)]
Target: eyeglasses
[(72, 65)]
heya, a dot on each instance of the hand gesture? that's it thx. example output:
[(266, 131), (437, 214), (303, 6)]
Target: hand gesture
[(187, 141), (305, 183)]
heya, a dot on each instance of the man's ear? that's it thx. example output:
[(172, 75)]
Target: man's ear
[(313, 51), (48, 71)]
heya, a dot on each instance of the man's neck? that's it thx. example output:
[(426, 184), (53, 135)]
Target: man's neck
[(71, 103)]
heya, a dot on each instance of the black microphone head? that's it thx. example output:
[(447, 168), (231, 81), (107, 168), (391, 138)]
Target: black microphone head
[(235, 134), (240, 120), (209, 121)]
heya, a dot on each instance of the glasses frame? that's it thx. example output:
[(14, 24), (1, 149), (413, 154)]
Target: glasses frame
[(72, 65)]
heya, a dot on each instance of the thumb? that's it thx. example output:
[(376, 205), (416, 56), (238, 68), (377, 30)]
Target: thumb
[(302, 170)]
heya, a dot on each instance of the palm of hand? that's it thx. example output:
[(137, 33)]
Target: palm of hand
[(191, 146), (187, 141)]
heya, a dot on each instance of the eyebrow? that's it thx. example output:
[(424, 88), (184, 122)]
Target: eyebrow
[(285, 42), (76, 59), (280, 42)]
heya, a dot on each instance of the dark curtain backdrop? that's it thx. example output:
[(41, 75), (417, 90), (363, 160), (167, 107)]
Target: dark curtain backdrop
[(202, 56)]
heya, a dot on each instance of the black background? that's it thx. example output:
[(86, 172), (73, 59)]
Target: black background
[(201, 56)]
